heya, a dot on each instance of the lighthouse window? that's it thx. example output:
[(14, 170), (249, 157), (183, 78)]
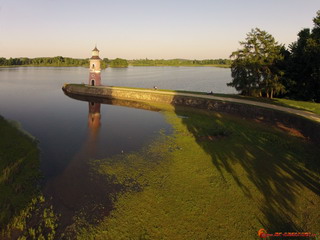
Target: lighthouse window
[(93, 66)]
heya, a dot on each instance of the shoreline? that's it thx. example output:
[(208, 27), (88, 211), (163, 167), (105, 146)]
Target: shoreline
[(306, 122), (131, 65), (167, 96)]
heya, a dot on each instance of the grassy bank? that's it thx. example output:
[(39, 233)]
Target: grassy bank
[(302, 105), (309, 106), (215, 177), (23, 211)]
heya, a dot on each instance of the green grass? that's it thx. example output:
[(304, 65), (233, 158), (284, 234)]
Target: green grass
[(17, 187), (21, 201), (215, 177), (309, 106), (302, 105)]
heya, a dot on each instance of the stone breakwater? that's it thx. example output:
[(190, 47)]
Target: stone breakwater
[(304, 122)]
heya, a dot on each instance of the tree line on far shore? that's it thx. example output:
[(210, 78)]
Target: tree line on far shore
[(44, 61), (180, 62), (262, 67), (60, 61)]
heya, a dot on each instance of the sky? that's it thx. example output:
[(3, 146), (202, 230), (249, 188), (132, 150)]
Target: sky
[(154, 29)]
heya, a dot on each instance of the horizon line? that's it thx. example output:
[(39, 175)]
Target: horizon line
[(127, 58)]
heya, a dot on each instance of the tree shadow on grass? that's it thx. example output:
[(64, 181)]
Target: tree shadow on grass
[(279, 168)]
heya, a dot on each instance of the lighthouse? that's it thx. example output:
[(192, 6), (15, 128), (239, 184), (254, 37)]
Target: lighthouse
[(95, 69)]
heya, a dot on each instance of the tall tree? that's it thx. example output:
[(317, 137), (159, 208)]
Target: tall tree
[(254, 69), (303, 65)]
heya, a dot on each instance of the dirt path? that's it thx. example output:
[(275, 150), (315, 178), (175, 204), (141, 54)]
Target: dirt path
[(302, 113)]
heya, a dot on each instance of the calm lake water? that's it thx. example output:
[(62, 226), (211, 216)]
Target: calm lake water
[(33, 97), (71, 132), (204, 79)]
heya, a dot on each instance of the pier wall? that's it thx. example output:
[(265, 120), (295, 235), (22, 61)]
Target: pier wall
[(310, 129)]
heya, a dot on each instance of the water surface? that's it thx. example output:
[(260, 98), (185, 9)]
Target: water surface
[(71, 132), (204, 79), (33, 97)]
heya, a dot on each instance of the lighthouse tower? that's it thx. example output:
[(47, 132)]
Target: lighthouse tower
[(95, 69)]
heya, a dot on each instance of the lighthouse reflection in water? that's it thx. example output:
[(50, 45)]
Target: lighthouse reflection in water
[(94, 118), (75, 189), (112, 128), (94, 124), (94, 115)]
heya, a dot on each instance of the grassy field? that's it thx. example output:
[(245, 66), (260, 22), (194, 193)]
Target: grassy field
[(215, 177), (23, 211)]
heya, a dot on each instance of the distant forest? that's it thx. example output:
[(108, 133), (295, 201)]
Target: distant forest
[(60, 61), (44, 61), (180, 62)]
